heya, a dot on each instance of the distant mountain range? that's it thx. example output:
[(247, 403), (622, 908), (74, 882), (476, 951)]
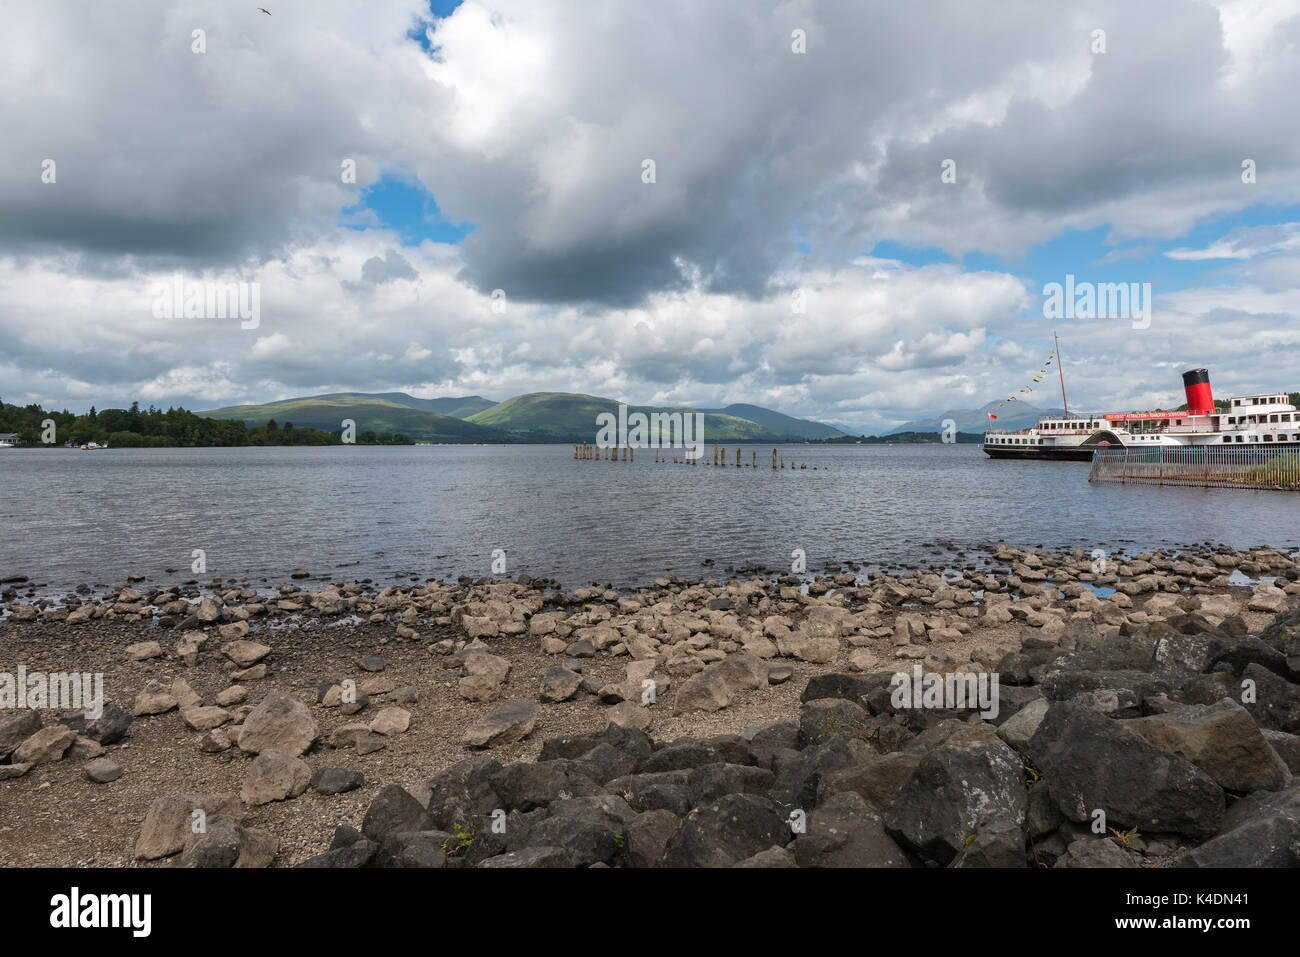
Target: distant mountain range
[(1013, 415), (535, 417), (384, 412)]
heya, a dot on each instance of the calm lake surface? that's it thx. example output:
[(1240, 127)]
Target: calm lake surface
[(388, 514)]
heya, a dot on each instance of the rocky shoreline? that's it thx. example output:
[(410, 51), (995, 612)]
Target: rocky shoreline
[(1146, 713)]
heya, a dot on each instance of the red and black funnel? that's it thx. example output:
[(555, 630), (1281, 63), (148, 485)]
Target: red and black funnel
[(1200, 399)]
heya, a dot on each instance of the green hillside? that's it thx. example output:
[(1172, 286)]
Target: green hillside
[(370, 414), (536, 417), (778, 423), (566, 417), (461, 407)]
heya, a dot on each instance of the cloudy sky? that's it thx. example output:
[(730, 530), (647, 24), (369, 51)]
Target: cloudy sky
[(859, 232)]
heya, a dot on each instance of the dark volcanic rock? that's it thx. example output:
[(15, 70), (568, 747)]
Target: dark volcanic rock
[(1134, 686), (846, 832), (1263, 831), (1277, 701), (711, 781), (727, 832), (524, 786), (590, 834), (875, 778), (683, 754), (999, 843), (336, 780), (1222, 740), (1246, 651), (462, 791), (660, 790), (357, 854), (226, 843), (534, 857), (647, 835), (799, 773), (1095, 852), (110, 727), (392, 811), (1092, 762), (415, 849), (1287, 747), (853, 688), (826, 718), (970, 782)]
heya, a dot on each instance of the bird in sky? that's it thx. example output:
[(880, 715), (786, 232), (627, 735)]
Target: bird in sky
[(264, 10)]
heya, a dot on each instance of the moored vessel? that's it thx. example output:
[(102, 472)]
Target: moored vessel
[(1266, 419)]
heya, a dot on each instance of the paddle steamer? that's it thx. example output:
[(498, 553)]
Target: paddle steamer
[(1268, 419)]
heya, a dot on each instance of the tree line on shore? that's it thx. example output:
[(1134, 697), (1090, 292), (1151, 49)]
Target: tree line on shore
[(174, 428)]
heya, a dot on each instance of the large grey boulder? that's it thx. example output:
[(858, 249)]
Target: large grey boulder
[(278, 723), (1092, 762), (970, 782)]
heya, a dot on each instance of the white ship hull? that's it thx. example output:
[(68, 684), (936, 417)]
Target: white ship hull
[(1260, 420)]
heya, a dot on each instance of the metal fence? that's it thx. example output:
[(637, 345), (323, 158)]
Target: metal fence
[(1203, 465)]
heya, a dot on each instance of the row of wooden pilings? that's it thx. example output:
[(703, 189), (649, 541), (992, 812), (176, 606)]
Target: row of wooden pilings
[(594, 453)]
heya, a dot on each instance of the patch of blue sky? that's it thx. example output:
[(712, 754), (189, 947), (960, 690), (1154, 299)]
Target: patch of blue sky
[(438, 9), (400, 202), (1088, 256)]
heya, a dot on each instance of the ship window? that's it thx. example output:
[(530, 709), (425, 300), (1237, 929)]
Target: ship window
[(1268, 438), (1227, 438)]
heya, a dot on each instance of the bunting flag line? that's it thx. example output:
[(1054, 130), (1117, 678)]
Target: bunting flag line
[(1051, 356)]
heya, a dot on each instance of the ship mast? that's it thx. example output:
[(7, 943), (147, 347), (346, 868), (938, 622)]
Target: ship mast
[(1060, 370)]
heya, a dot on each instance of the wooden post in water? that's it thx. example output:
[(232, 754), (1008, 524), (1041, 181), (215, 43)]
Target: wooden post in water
[(774, 458), (715, 454), (631, 453), (737, 458)]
